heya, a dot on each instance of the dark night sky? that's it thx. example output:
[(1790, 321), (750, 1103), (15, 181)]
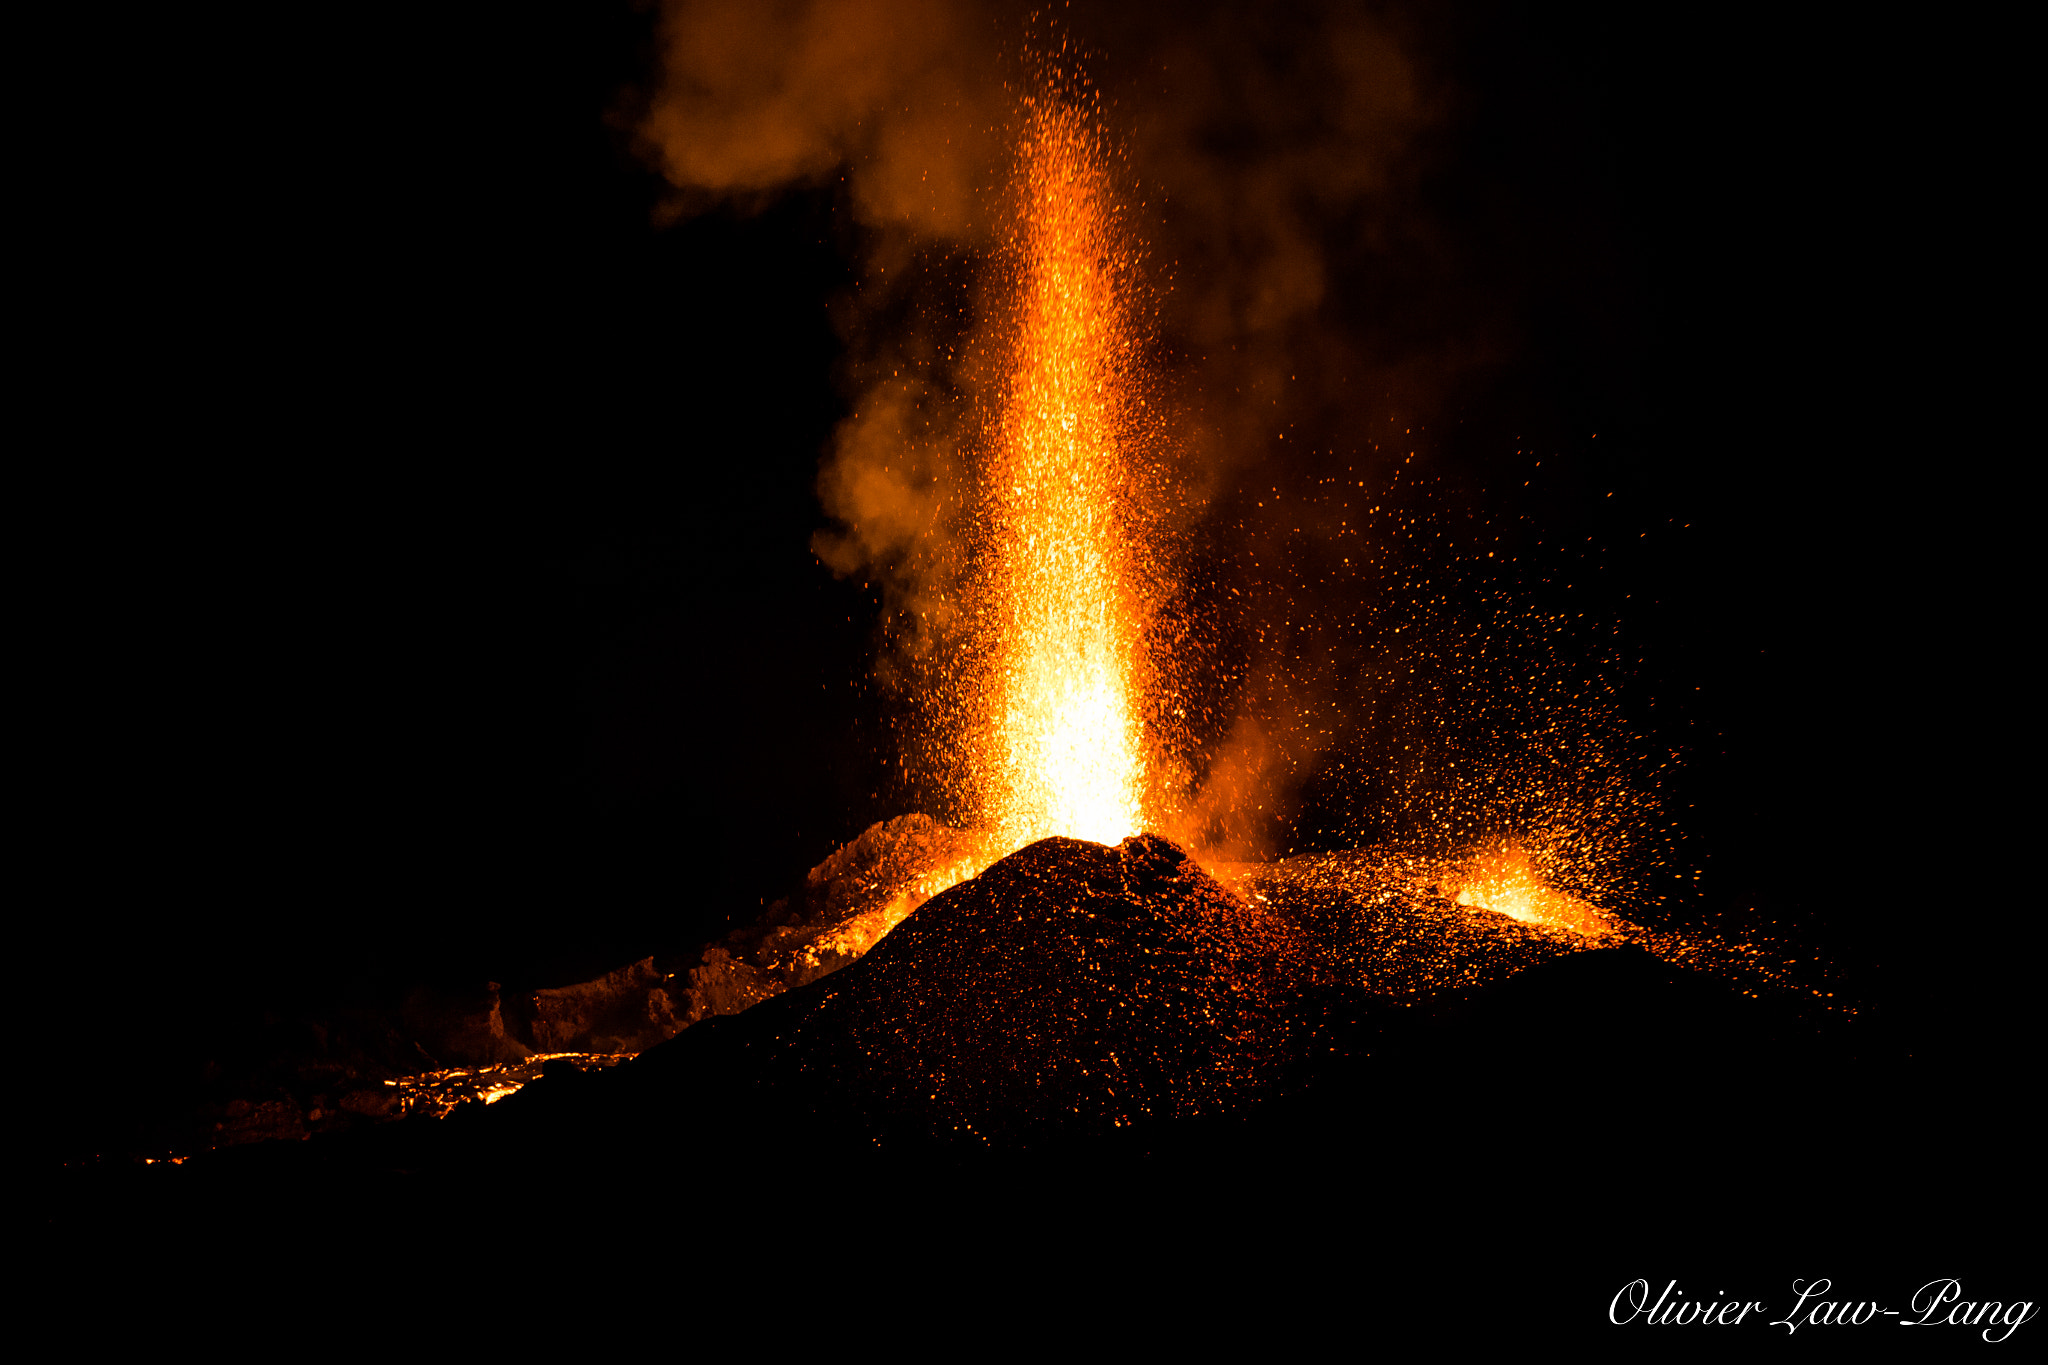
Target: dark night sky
[(471, 628)]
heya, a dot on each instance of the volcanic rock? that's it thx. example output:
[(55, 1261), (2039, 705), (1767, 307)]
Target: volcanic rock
[(628, 1010), (243, 1121), (464, 1027), (372, 1102), (1069, 988)]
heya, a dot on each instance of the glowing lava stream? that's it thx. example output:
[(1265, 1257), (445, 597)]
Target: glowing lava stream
[(1065, 727)]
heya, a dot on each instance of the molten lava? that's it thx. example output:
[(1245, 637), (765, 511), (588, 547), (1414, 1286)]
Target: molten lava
[(1065, 729), (1500, 877)]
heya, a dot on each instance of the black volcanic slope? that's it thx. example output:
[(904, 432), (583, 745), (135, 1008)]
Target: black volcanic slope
[(1100, 1057), (1075, 994), (1102, 1038), (1071, 988)]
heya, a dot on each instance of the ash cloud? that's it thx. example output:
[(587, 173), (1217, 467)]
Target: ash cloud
[(898, 94), (1264, 151), (1312, 307)]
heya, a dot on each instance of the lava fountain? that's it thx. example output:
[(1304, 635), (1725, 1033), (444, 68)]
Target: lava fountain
[(1064, 732)]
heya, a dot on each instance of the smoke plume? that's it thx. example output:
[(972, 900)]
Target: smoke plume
[(1312, 312)]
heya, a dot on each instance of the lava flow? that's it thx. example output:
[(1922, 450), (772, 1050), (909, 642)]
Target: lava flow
[(1064, 743)]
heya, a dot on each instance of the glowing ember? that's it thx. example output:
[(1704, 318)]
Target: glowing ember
[(1065, 731)]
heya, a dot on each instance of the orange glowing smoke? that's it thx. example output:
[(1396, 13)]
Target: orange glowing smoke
[(1065, 728), (1500, 877)]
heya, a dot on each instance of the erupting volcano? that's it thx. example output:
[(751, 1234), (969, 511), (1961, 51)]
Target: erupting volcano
[(1057, 662), (1054, 967)]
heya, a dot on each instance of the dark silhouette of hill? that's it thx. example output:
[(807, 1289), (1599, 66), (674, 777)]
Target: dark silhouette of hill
[(1104, 1047)]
